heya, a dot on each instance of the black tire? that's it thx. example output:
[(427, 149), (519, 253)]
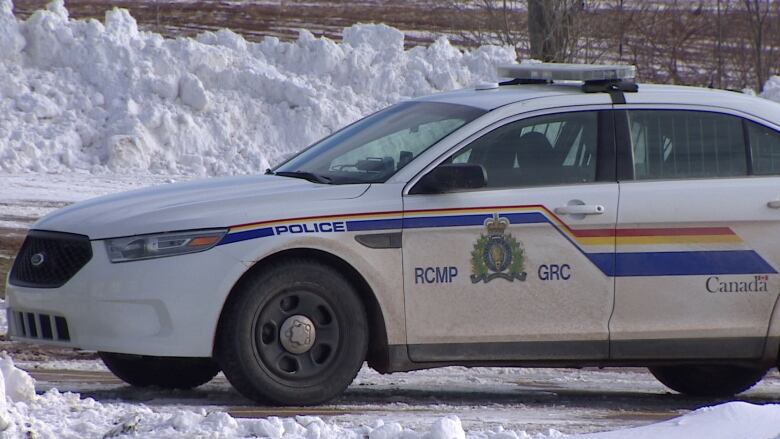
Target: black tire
[(709, 380), (250, 345), (165, 372)]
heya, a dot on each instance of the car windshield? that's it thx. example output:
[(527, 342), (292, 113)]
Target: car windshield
[(376, 147)]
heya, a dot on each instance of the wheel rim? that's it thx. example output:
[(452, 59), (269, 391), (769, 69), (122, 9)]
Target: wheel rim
[(296, 335)]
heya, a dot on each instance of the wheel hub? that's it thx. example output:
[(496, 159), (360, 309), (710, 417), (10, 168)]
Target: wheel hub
[(297, 334)]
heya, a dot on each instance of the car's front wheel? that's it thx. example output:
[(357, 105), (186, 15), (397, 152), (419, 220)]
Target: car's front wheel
[(165, 372), (708, 380), (294, 333)]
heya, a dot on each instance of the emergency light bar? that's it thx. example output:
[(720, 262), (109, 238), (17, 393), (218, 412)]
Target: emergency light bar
[(567, 72)]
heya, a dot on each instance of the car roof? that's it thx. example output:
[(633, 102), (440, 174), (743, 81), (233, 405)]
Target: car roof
[(491, 98)]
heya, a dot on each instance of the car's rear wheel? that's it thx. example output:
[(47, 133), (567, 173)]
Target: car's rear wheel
[(294, 333), (708, 380), (165, 372)]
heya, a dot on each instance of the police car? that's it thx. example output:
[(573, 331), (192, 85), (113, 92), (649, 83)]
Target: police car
[(566, 217)]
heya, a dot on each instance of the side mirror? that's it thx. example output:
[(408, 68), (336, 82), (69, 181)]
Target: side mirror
[(451, 177)]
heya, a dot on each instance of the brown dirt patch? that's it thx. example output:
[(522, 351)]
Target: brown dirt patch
[(20, 351), (10, 241)]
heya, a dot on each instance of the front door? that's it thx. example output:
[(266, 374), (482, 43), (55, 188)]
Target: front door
[(519, 269)]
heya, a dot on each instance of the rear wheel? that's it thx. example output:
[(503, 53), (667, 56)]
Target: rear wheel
[(165, 372), (293, 334), (710, 380)]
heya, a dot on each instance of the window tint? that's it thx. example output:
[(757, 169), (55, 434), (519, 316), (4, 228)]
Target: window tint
[(546, 150), (376, 147), (765, 147), (686, 144)]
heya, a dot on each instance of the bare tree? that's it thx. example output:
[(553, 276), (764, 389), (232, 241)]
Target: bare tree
[(503, 17), (607, 28), (547, 29), (622, 24), (552, 29), (479, 22), (719, 42), (668, 37), (722, 43), (757, 14)]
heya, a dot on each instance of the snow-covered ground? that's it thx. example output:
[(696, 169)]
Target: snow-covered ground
[(89, 108), (443, 403)]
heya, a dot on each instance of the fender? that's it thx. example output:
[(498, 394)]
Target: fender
[(385, 284)]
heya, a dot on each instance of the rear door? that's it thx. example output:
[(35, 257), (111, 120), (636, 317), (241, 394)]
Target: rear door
[(697, 238), (517, 270)]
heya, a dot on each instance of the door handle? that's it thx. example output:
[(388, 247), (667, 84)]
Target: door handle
[(774, 204), (586, 209)]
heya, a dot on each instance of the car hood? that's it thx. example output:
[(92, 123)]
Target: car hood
[(209, 203)]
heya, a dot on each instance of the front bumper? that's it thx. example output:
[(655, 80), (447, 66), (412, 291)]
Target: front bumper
[(162, 307)]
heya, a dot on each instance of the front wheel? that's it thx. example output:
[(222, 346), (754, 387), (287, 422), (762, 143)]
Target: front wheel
[(710, 381), (165, 372), (293, 334)]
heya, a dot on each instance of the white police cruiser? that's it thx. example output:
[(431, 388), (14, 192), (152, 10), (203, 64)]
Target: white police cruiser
[(566, 217)]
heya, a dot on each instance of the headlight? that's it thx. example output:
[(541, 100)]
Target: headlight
[(134, 248)]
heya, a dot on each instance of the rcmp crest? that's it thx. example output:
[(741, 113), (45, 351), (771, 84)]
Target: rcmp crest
[(497, 254)]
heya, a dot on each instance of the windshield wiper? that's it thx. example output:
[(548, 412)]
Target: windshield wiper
[(310, 176)]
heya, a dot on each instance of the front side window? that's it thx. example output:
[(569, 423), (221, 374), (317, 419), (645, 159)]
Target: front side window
[(673, 144), (373, 149), (546, 150), (765, 148)]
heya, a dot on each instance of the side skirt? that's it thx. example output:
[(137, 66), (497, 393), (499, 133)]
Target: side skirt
[(744, 351), (709, 348), (504, 351)]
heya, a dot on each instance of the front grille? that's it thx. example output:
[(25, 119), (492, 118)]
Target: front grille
[(49, 259), (39, 326)]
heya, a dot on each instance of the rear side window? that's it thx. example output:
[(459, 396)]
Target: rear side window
[(673, 144), (765, 148)]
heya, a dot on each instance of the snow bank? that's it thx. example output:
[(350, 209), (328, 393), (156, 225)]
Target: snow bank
[(24, 414), (105, 97), (772, 89), (16, 387), (3, 318), (726, 421)]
